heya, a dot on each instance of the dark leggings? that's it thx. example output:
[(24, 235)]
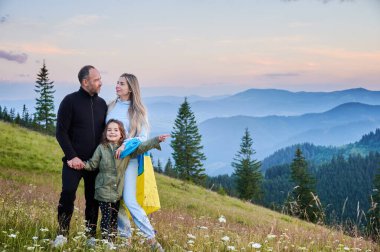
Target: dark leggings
[(108, 224)]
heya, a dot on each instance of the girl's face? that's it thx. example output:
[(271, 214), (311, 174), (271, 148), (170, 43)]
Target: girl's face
[(113, 133), (122, 89)]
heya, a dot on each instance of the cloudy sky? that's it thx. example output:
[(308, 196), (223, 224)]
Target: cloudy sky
[(204, 47)]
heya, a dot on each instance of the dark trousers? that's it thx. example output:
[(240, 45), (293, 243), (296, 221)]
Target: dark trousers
[(70, 182), (108, 224)]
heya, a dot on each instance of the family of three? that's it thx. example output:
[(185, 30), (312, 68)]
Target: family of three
[(93, 137)]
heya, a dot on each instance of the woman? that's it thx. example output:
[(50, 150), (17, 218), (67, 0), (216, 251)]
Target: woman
[(128, 108)]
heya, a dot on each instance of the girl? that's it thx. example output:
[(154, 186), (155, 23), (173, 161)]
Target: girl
[(109, 182)]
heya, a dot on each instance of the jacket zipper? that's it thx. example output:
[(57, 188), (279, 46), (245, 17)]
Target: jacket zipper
[(93, 120)]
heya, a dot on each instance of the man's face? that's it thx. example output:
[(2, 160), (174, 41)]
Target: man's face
[(93, 82)]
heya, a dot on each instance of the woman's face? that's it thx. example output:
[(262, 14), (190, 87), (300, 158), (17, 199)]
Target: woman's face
[(122, 89)]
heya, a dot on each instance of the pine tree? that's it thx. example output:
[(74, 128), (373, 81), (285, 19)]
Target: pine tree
[(169, 170), (303, 201), (159, 166), (25, 116), (373, 225), (187, 146), (45, 103), (247, 170)]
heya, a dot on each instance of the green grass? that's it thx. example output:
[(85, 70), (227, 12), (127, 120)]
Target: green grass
[(188, 221)]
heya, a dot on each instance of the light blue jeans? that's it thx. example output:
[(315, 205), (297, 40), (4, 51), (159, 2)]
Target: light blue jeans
[(138, 214)]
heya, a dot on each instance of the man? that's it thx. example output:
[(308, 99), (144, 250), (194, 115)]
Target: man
[(80, 123)]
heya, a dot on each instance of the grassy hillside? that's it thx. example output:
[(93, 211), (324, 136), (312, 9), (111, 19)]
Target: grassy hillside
[(188, 221)]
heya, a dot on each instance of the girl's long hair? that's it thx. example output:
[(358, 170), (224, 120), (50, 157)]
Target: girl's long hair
[(137, 113), (105, 141)]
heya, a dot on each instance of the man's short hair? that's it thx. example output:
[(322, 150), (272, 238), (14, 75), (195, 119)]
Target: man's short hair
[(84, 72)]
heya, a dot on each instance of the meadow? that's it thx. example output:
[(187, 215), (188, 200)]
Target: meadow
[(191, 218)]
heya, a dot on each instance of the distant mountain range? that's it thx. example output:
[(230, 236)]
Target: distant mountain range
[(317, 155), (255, 102), (342, 125)]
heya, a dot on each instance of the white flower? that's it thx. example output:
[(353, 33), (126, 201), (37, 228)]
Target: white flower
[(231, 248), (30, 248), (203, 227), (190, 242), (255, 245), (225, 238), (59, 241), (346, 248), (12, 235), (222, 219), (35, 238), (190, 236), (271, 236), (44, 230)]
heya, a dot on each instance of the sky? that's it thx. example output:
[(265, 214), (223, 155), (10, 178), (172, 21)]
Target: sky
[(197, 47)]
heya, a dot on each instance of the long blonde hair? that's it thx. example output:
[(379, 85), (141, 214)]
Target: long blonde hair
[(137, 113)]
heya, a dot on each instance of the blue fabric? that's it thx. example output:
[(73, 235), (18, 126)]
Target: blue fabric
[(130, 147)]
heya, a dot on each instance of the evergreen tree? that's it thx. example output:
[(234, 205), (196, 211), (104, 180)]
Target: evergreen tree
[(374, 212), (45, 103), (25, 116), (187, 146), (12, 114), (169, 170), (303, 202), (247, 170), (1, 113), (159, 166)]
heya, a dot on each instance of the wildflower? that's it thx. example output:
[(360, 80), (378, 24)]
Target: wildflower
[(44, 229), (255, 245), (30, 248), (190, 242), (190, 236), (35, 238), (346, 248), (231, 248), (225, 238), (271, 236), (222, 219), (203, 227), (12, 236), (59, 241), (139, 233)]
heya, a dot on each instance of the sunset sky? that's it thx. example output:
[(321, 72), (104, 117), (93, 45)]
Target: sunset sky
[(203, 47)]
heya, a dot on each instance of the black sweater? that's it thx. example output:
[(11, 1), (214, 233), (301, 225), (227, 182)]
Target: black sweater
[(80, 123)]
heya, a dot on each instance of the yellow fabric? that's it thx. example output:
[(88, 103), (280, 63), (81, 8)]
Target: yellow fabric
[(146, 191)]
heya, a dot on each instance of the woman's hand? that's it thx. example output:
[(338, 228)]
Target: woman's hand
[(163, 137), (119, 150)]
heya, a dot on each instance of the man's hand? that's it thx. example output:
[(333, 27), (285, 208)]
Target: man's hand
[(76, 163), (163, 137)]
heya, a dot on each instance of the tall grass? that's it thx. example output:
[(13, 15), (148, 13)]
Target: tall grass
[(191, 218)]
